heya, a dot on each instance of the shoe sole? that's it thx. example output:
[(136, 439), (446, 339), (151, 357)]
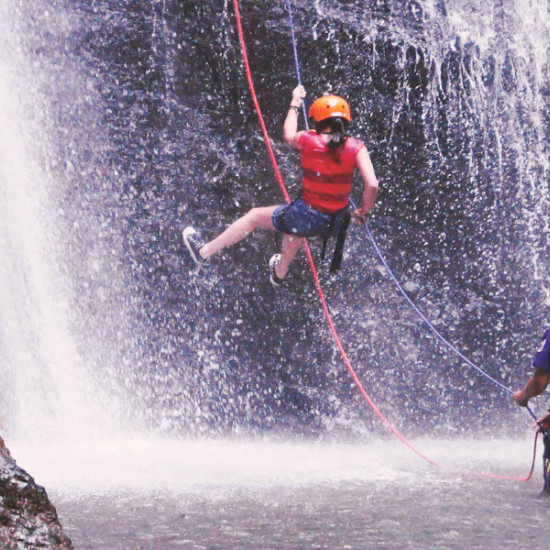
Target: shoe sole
[(187, 232)]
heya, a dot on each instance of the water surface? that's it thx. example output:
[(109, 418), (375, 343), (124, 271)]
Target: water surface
[(280, 495)]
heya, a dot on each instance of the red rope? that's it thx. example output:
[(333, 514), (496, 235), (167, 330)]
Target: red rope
[(316, 277)]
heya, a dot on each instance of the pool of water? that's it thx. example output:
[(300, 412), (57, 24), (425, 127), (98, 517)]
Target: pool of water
[(135, 494)]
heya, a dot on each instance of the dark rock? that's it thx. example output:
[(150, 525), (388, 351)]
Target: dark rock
[(27, 517)]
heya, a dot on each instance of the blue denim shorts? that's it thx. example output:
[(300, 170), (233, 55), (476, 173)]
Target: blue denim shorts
[(301, 220)]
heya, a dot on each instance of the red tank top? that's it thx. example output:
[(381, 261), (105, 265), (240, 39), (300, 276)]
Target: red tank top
[(327, 173)]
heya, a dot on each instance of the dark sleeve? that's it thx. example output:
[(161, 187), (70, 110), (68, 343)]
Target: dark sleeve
[(542, 357)]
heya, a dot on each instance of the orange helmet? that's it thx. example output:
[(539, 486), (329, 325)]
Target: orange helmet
[(329, 106)]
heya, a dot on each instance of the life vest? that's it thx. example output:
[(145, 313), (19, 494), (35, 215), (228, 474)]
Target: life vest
[(327, 173)]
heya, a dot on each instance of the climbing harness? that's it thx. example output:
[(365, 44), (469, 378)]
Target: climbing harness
[(311, 262), (339, 221)]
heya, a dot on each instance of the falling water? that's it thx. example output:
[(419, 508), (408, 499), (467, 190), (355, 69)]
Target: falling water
[(44, 386)]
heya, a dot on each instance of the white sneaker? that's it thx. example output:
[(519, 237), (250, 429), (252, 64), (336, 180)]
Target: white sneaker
[(273, 279), (193, 245)]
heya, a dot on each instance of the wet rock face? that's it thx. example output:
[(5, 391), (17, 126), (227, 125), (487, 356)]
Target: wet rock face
[(27, 517), (157, 131)]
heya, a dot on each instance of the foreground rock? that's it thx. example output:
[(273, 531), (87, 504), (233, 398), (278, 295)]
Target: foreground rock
[(27, 517)]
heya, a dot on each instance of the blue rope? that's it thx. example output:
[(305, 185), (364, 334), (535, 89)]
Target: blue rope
[(426, 320), (420, 314), (296, 60)]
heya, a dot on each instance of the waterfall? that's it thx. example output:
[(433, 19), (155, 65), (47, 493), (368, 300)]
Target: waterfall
[(47, 392)]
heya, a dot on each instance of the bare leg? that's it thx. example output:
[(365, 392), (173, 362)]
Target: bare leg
[(237, 231), (290, 247)]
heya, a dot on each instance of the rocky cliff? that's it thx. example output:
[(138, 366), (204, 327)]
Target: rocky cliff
[(27, 517)]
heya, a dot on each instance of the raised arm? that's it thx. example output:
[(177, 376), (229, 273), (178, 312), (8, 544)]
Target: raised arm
[(370, 189), (290, 128)]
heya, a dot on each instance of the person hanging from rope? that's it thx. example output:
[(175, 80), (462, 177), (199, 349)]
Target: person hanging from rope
[(536, 384), (329, 158)]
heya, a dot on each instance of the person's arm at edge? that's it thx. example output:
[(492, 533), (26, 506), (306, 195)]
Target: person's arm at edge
[(534, 386)]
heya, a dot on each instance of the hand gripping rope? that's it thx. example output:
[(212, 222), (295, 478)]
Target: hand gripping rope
[(309, 255)]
